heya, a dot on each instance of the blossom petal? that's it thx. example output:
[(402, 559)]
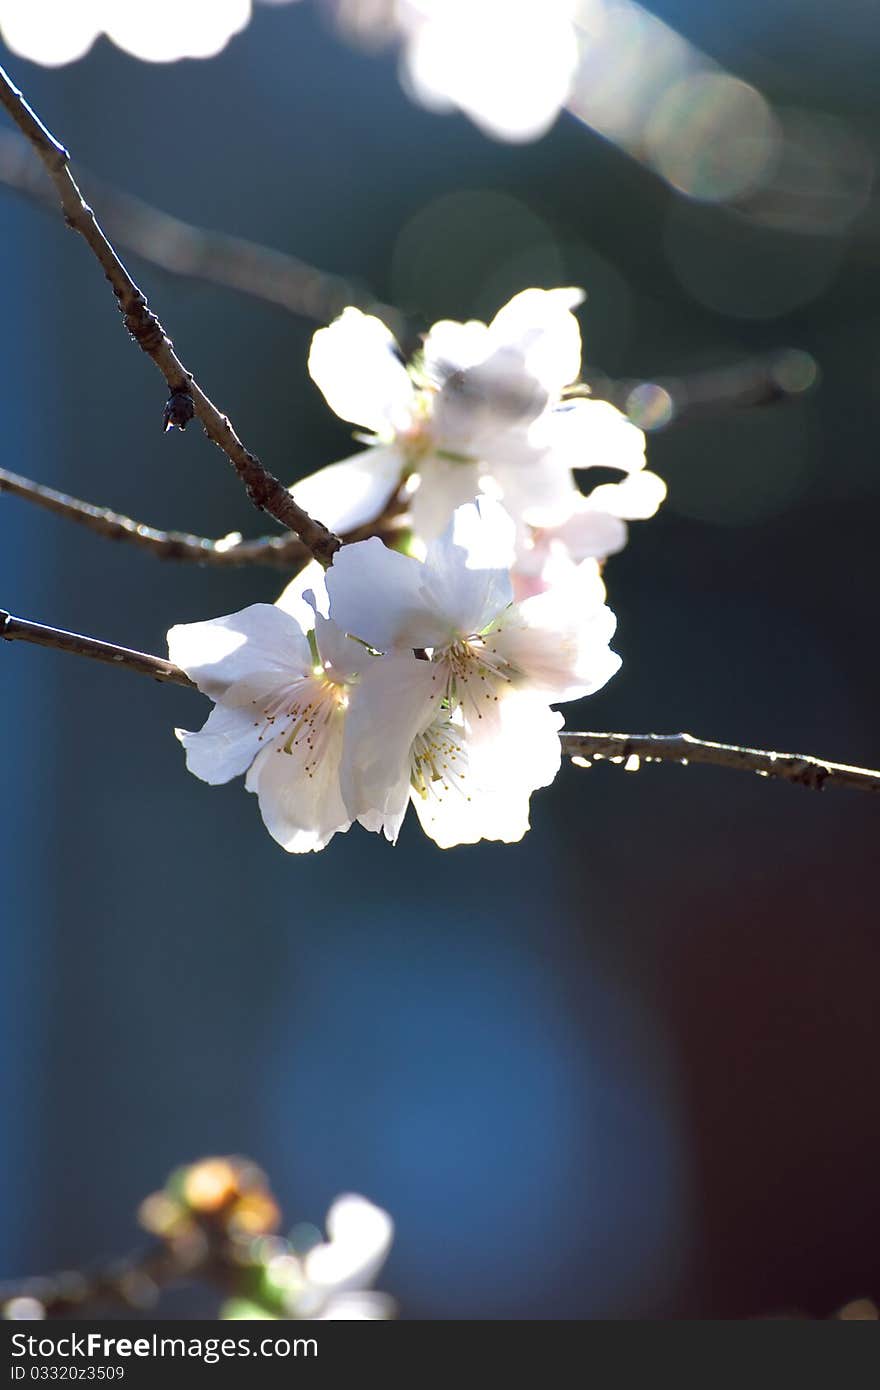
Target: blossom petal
[(591, 434), (636, 498), (292, 598), (475, 777), (557, 641), (541, 326), (518, 750), (451, 807), (444, 484), (454, 347), (466, 573), (538, 490), (352, 493), (397, 698), (224, 747), (257, 640), (299, 793), (360, 1236), (375, 595), (590, 533), (355, 364)]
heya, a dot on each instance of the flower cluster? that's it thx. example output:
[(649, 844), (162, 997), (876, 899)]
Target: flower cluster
[(483, 408), (430, 676), (219, 1213), (395, 680)]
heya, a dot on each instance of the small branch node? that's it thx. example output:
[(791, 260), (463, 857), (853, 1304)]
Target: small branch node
[(179, 410)]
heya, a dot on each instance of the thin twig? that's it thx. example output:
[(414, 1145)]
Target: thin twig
[(798, 768), (186, 396), (132, 1283), (280, 552), (20, 630), (196, 253), (669, 400)]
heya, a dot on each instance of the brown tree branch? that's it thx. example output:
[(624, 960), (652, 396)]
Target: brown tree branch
[(196, 253), (280, 552), (799, 768), (186, 396), (21, 630)]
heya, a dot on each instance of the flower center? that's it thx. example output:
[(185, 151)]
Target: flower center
[(301, 718), (476, 673), (437, 761)]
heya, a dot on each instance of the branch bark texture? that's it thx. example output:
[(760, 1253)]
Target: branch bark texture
[(186, 397)]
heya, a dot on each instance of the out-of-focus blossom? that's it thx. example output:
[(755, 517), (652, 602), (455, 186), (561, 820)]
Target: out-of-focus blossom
[(481, 408), (459, 704), (332, 1280), (507, 64), (222, 1210), (53, 32)]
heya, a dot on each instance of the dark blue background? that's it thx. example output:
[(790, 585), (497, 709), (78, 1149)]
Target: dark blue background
[(628, 1068)]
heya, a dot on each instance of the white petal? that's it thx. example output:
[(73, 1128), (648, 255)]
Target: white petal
[(466, 572), (538, 491), (360, 1236), (375, 595), (591, 434), (352, 493), (359, 1306), (636, 498), (451, 807), (298, 791), (494, 398), (591, 533), (558, 642), (443, 486), (291, 599), (475, 782), (519, 750), (257, 640), (454, 347), (552, 565), (398, 696), (224, 747), (540, 325), (355, 364)]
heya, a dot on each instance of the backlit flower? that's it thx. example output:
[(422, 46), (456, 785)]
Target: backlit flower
[(481, 409)]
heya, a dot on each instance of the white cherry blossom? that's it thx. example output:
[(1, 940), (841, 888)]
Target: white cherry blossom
[(481, 409), (460, 701), (280, 704)]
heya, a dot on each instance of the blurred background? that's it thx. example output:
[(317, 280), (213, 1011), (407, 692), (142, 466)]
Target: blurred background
[(628, 1068)]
